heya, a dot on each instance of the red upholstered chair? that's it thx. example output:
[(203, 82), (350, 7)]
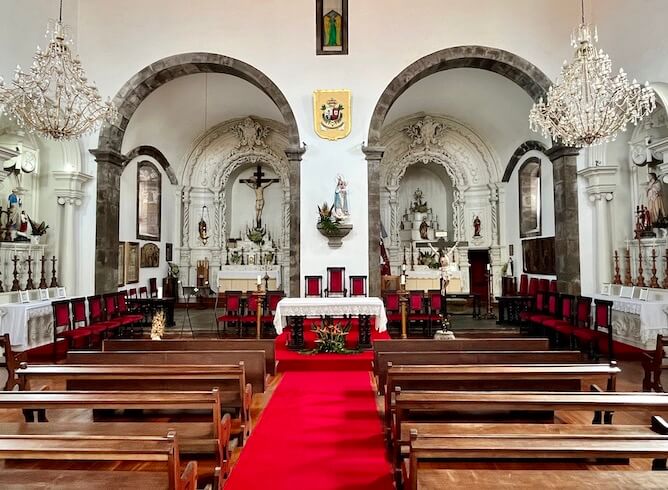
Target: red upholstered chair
[(539, 312), (336, 282), (392, 309), (125, 315), (543, 285), (435, 301), (132, 293), (112, 312), (97, 317), (153, 287), (271, 303), (416, 311), (249, 318), (603, 326), (313, 286), (143, 292), (232, 310), (583, 332), (64, 328), (564, 325), (552, 288), (357, 286), (533, 286), (552, 314), (524, 285)]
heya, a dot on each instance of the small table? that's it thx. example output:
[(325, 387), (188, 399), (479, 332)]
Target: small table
[(297, 309), (155, 304)]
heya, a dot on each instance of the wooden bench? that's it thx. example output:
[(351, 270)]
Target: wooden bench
[(10, 362), (230, 380), (415, 358), (546, 377), (266, 345), (254, 361), (438, 479), (433, 450), (431, 345), (162, 450), (653, 366)]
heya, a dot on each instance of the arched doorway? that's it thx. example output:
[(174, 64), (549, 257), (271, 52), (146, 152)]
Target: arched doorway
[(110, 159)]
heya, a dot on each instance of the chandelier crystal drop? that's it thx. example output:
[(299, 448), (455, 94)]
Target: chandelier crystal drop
[(587, 106), (55, 99)]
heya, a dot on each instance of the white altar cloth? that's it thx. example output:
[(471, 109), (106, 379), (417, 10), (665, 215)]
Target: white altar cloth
[(336, 307), (29, 325), (637, 322)]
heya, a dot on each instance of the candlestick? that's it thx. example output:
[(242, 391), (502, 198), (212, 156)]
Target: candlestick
[(259, 280), (628, 281), (654, 281), (641, 277), (618, 278), (665, 278), (403, 279)]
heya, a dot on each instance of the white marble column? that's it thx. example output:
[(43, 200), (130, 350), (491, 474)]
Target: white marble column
[(69, 194), (600, 182)]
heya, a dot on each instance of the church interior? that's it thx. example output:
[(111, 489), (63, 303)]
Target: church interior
[(333, 244)]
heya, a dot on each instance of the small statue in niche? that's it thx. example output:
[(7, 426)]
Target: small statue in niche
[(655, 205), (418, 205), (476, 226), (424, 229), (202, 226)]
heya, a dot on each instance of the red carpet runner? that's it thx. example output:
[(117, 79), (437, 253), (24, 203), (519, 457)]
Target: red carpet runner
[(320, 431)]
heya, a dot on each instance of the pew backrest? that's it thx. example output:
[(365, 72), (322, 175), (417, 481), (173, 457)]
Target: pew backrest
[(254, 360), (266, 345)]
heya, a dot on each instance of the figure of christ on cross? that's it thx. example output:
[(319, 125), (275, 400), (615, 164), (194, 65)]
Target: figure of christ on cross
[(257, 185)]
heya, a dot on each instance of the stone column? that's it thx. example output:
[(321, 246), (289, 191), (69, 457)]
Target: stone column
[(600, 189), (373, 158), (109, 169), (70, 194), (566, 227), (295, 158)]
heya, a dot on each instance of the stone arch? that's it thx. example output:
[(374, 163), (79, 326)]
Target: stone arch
[(521, 150), (157, 155), (515, 68), (110, 160)]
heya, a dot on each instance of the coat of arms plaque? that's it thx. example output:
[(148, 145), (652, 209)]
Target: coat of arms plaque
[(332, 117)]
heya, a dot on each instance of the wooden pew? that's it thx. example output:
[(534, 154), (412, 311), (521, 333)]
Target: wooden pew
[(575, 447), (266, 345), (10, 362), (555, 377), (230, 381), (254, 361), (431, 345), (653, 366), (415, 358), (67, 448)]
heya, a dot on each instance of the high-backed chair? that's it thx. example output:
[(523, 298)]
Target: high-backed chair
[(232, 310), (584, 334), (313, 286), (533, 286), (603, 320), (132, 293), (153, 287), (564, 325), (392, 308), (357, 286), (271, 303), (435, 302), (143, 292), (524, 285), (124, 314), (336, 282), (553, 287), (543, 285), (63, 328), (416, 310)]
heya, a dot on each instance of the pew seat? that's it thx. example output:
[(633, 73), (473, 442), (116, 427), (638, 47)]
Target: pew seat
[(40, 479), (438, 479)]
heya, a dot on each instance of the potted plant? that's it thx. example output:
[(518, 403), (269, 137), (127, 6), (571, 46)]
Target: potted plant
[(331, 227)]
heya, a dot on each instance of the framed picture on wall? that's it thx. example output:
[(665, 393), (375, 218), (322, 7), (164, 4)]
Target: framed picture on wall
[(528, 182), (121, 264), (149, 199), (150, 255), (131, 262), (169, 250), (331, 27)]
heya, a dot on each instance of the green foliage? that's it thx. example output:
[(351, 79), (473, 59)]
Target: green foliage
[(331, 338), (326, 222)]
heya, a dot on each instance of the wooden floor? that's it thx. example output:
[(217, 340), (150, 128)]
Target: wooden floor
[(629, 380)]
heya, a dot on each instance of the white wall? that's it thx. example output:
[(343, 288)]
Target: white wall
[(128, 219), (117, 39), (513, 204)]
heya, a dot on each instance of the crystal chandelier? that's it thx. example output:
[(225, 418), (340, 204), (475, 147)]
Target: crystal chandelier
[(587, 106), (55, 99)]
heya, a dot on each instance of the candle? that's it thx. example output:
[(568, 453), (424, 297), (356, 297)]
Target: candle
[(488, 267), (403, 279), (403, 267), (259, 280)]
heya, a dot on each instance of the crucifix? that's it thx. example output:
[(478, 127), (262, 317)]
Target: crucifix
[(257, 185)]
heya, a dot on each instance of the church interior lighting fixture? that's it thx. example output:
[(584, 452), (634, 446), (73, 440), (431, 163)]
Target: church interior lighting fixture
[(587, 106), (55, 99)]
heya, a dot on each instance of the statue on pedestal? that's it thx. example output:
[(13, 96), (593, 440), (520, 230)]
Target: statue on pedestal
[(655, 205), (340, 208)]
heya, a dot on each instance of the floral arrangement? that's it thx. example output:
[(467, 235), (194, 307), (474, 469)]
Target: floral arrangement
[(256, 235), (419, 206), (331, 338), (158, 326), (326, 222)]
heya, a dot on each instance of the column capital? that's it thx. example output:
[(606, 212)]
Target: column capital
[(373, 153), (6, 154), (295, 153), (108, 156), (69, 186), (600, 181), (559, 151)]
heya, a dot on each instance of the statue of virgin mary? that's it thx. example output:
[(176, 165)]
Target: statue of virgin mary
[(340, 209)]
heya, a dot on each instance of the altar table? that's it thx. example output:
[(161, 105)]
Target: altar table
[(29, 325), (237, 279), (299, 308), (636, 322)]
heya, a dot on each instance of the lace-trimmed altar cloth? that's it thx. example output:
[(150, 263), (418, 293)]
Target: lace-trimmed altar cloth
[(29, 325), (335, 307)]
